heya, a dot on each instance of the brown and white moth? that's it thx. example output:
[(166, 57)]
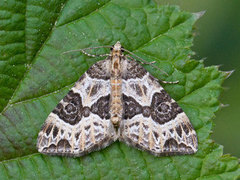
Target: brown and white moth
[(117, 99)]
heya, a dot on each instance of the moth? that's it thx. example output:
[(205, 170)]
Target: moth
[(117, 99)]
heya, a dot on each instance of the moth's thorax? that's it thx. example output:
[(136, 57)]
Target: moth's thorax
[(116, 108), (116, 65)]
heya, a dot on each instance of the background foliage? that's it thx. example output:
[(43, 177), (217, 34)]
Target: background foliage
[(218, 42), (35, 76)]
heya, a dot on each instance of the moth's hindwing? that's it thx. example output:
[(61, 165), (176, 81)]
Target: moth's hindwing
[(152, 120), (81, 121)]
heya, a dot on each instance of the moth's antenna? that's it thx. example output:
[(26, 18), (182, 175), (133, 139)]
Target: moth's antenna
[(83, 50), (145, 62)]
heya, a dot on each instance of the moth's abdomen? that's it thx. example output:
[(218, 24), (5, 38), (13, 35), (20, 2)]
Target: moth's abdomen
[(116, 101), (116, 107)]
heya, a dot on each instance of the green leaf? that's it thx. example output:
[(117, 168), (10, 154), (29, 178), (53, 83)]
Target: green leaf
[(35, 75)]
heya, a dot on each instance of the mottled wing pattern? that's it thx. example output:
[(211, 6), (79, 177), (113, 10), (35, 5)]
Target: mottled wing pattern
[(81, 121), (152, 120)]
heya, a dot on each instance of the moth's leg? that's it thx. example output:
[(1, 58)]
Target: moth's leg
[(94, 55), (150, 63), (145, 62), (88, 54), (169, 82)]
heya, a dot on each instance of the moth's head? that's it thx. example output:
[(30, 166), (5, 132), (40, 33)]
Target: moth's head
[(117, 48)]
